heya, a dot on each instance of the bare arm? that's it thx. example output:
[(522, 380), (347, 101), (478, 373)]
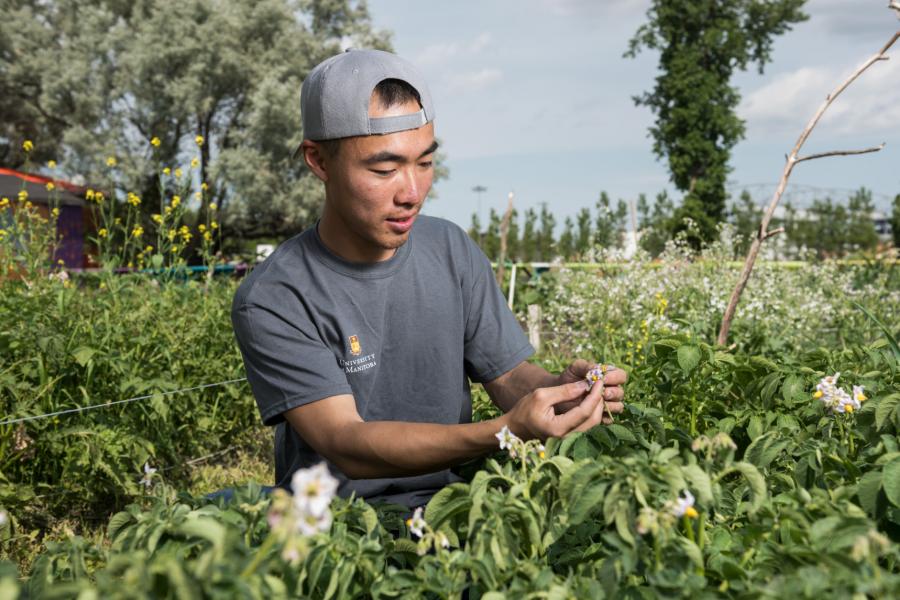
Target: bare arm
[(374, 449), (517, 383)]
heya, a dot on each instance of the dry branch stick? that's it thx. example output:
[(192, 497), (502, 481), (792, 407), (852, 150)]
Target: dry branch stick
[(792, 160)]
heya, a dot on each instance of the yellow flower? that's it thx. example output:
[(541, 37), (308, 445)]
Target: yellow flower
[(213, 206), (23, 195), (4, 202), (178, 173), (204, 186), (55, 212), (175, 248), (199, 140), (137, 232), (98, 197), (195, 163), (214, 225), (51, 164), (27, 146), (198, 195), (201, 227), (133, 199), (89, 194), (154, 141), (166, 171), (171, 235), (148, 249), (168, 210), (818, 394), (207, 236), (118, 220), (176, 200), (102, 232), (111, 161), (157, 218)]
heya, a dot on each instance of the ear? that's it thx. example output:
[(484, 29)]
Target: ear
[(315, 159)]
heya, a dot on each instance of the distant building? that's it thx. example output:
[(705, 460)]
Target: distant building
[(75, 220)]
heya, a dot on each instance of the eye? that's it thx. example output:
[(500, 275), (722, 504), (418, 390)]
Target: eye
[(426, 164), (382, 172)]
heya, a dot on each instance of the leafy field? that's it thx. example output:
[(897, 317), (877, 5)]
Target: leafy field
[(726, 475)]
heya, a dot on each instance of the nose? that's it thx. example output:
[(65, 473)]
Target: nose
[(410, 186)]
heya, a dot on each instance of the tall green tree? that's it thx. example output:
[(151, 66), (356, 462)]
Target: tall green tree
[(529, 245), (583, 241), (566, 245), (546, 239), (89, 79), (490, 241), (609, 223), (512, 237), (701, 44), (475, 229)]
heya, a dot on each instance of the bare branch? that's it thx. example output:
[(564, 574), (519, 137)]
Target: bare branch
[(878, 148), (793, 160), (773, 232)]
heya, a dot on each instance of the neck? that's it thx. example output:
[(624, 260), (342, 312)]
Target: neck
[(347, 244)]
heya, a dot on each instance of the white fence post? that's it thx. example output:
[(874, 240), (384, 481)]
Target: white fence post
[(534, 325)]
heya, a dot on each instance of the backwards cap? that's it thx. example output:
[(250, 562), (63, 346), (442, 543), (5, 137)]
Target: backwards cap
[(334, 99)]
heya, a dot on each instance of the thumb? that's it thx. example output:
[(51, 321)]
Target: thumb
[(576, 371)]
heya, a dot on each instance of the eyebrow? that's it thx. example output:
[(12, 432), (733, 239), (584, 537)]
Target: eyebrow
[(391, 157)]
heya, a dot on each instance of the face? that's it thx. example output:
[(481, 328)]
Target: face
[(375, 186)]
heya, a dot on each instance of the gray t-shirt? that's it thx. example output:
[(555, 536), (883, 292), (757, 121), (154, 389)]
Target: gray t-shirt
[(403, 336)]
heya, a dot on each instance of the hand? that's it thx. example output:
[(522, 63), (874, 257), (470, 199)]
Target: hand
[(613, 393), (535, 415)]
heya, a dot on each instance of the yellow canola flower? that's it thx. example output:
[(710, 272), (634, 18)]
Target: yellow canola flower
[(55, 212), (27, 146), (204, 186), (102, 232), (51, 164), (176, 200), (199, 139), (137, 232), (213, 206), (157, 218), (171, 234), (166, 171), (133, 199), (23, 195), (148, 249), (214, 225), (4, 202), (207, 235), (99, 197), (201, 227), (111, 161), (89, 194), (178, 173), (154, 141), (50, 186), (118, 220), (175, 248), (198, 195), (168, 210), (195, 163)]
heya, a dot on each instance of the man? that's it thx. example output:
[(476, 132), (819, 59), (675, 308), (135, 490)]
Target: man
[(360, 335)]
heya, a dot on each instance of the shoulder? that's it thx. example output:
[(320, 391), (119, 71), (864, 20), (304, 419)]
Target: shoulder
[(436, 231), (281, 269)]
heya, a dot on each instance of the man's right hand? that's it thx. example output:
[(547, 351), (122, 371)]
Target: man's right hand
[(534, 416)]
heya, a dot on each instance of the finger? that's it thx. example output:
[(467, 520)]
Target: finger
[(580, 413), (615, 407), (615, 376), (566, 392), (608, 421), (595, 418), (613, 394), (575, 371)]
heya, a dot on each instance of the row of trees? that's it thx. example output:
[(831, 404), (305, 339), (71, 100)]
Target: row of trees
[(827, 228)]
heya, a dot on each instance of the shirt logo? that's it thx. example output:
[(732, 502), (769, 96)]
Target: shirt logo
[(355, 348)]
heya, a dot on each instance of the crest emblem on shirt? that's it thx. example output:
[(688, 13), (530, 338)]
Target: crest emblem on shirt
[(355, 348)]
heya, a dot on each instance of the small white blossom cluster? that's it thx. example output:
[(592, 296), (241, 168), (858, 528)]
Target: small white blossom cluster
[(598, 375), (4, 518), (306, 512), (836, 399), (427, 536), (872, 544), (517, 447), (147, 479), (650, 520), (712, 445)]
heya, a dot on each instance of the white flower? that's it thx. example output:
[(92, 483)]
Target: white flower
[(147, 480), (507, 438), (417, 523), (310, 524), (844, 403), (313, 489), (442, 539), (858, 394), (684, 506)]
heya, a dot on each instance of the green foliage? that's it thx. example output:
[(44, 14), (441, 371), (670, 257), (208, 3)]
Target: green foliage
[(701, 45), (87, 80)]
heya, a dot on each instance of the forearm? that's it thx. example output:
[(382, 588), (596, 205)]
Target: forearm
[(510, 387), (375, 449)]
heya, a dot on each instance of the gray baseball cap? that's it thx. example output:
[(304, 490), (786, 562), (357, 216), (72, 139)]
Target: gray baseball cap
[(334, 98)]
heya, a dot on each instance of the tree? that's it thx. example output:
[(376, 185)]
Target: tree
[(512, 238), (529, 245), (655, 224), (490, 241), (88, 79), (475, 229), (609, 223), (546, 241), (566, 246), (745, 216), (583, 242), (861, 233), (701, 44)]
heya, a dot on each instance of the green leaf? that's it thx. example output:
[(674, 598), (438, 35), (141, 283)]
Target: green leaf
[(792, 387), (83, 355), (890, 481), (452, 500), (117, 523), (757, 484), (688, 358), (867, 490), (755, 427), (891, 340), (621, 433), (700, 483), (885, 408)]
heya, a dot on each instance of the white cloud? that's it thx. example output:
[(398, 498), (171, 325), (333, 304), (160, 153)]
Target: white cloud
[(870, 105), (443, 52), (582, 7), (475, 80)]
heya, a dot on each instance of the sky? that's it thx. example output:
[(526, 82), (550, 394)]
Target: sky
[(535, 97)]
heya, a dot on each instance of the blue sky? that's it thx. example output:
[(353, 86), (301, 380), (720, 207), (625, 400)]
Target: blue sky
[(534, 96)]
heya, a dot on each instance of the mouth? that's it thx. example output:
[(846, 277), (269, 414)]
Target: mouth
[(401, 224)]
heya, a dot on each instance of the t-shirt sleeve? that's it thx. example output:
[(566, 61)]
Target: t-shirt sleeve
[(287, 363), (494, 341)]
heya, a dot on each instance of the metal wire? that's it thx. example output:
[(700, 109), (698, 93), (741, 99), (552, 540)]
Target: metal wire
[(126, 400)]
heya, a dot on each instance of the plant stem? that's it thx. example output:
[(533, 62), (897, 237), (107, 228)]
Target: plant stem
[(261, 553)]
